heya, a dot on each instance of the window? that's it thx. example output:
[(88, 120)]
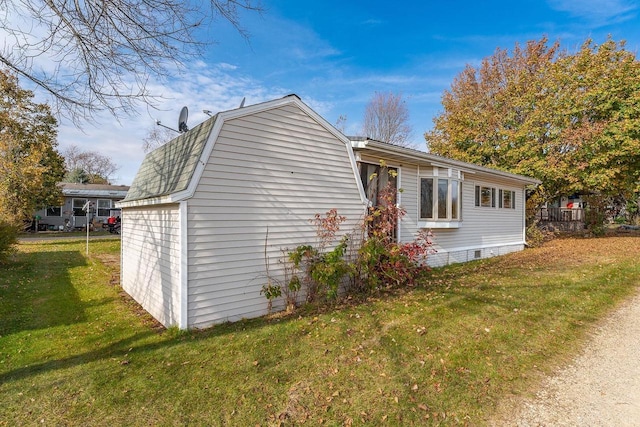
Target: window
[(455, 199), (104, 207), (426, 198), (77, 205), (53, 211), (485, 197), (443, 195), (375, 178), (439, 198), (507, 199)]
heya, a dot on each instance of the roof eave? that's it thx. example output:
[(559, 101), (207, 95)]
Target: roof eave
[(416, 156)]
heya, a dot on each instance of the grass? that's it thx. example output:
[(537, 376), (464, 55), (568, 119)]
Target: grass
[(74, 350)]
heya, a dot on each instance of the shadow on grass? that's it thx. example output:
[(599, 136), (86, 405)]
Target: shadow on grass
[(115, 350), (36, 292), (118, 350)]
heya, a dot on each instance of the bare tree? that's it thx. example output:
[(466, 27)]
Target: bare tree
[(156, 137), (95, 55), (341, 122), (386, 119), (97, 168)]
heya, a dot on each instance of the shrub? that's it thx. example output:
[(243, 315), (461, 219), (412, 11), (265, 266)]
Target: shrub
[(535, 236), (329, 269), (372, 262), (8, 238)]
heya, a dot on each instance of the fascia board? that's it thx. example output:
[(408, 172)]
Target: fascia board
[(443, 162)]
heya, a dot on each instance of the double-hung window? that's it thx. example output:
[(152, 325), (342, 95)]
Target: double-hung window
[(485, 197), (78, 205), (104, 207), (507, 199)]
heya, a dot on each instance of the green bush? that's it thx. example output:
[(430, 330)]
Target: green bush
[(535, 236), (8, 238), (598, 230)]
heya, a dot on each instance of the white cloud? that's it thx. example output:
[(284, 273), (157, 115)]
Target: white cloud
[(597, 12), (218, 87), (372, 22)]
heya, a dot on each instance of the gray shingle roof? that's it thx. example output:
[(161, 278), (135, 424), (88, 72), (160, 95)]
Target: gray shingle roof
[(93, 190), (169, 168)]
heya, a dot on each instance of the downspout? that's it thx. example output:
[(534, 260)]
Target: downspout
[(524, 215)]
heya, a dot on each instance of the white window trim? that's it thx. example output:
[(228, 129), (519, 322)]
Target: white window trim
[(46, 212), (73, 207), (98, 207), (436, 222), (497, 197)]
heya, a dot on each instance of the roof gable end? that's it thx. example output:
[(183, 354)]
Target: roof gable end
[(172, 172)]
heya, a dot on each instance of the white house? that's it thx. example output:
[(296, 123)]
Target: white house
[(196, 218), (209, 210), (70, 214), (475, 212)]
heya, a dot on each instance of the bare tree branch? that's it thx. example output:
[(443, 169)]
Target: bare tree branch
[(97, 167), (98, 55), (386, 119)]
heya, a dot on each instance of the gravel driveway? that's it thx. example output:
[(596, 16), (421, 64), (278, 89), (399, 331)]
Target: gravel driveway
[(600, 387)]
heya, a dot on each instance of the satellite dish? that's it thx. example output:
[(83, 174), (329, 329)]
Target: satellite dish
[(242, 103), (182, 120)]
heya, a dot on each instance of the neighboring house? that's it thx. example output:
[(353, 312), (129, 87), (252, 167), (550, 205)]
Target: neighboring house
[(102, 199), (209, 211), (474, 212), (566, 214)]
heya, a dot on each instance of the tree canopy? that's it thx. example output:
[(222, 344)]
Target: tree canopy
[(30, 166), (570, 120), (96, 55), (386, 119)]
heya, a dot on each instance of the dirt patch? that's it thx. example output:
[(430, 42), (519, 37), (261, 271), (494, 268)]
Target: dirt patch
[(112, 262)]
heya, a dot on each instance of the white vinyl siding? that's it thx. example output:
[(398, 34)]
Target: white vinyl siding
[(271, 171), (151, 260), (492, 231)]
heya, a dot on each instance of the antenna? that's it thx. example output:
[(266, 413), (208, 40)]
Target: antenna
[(242, 103), (159, 123), (182, 120), (208, 112)]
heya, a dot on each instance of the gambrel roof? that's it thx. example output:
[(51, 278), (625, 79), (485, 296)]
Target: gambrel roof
[(169, 168), (170, 173)]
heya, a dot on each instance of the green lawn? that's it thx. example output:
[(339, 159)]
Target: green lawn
[(74, 350)]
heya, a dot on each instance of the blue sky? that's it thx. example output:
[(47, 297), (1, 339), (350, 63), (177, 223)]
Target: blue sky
[(336, 54)]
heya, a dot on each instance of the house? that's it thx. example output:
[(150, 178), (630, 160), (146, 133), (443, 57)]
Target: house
[(70, 214), (475, 212), (566, 213), (211, 211)]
